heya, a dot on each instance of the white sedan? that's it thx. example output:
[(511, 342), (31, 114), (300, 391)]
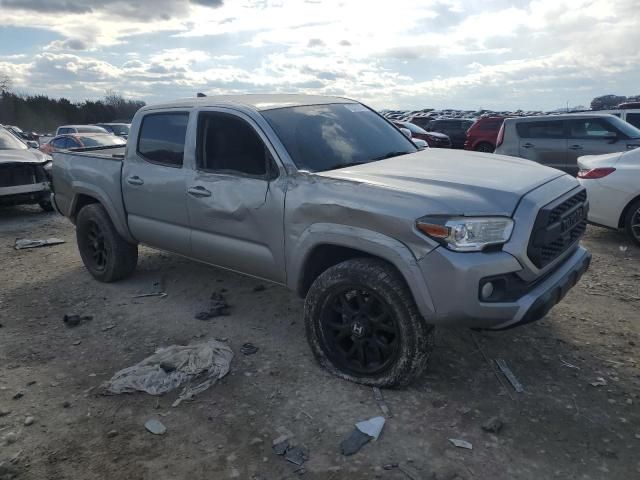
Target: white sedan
[(613, 188)]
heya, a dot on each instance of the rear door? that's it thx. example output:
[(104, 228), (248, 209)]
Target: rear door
[(588, 136), (236, 196), (543, 142), (154, 183)]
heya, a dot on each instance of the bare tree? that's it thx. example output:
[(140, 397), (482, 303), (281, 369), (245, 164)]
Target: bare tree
[(5, 83)]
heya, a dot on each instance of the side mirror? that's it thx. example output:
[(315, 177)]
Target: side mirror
[(612, 137), (406, 132), (32, 144), (421, 144)]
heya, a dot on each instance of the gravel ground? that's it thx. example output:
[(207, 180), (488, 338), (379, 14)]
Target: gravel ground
[(561, 426)]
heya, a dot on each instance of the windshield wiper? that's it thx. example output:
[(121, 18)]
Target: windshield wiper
[(390, 155), (344, 165)]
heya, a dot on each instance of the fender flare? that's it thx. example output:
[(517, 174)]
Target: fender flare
[(118, 219), (367, 241)]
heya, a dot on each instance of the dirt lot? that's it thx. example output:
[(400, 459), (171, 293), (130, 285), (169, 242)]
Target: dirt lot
[(560, 427)]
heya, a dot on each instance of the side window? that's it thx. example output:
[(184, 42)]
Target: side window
[(491, 125), (589, 128), (228, 144), (550, 129), (69, 142), (634, 119), (162, 136), (64, 131), (59, 143)]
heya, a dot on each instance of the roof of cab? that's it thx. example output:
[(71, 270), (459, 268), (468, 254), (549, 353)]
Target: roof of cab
[(255, 101)]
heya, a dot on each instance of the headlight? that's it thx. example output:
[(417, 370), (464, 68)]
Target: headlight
[(467, 234)]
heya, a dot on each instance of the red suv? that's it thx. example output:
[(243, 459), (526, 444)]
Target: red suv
[(483, 134)]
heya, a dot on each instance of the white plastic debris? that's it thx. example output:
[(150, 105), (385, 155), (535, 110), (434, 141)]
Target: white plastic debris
[(169, 368), (155, 426), (461, 443), (371, 427), (600, 382), (22, 243)]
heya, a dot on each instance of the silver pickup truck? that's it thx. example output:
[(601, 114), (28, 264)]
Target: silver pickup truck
[(326, 197)]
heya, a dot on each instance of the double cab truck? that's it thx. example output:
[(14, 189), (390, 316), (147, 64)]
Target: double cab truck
[(326, 197)]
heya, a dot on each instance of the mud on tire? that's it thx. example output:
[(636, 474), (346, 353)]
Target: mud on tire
[(106, 255), (363, 325)]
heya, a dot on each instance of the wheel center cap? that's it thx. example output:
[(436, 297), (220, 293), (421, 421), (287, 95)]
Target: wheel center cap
[(359, 328)]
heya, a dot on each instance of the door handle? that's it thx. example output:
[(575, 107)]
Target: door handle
[(135, 180), (528, 145), (199, 192), (575, 147)]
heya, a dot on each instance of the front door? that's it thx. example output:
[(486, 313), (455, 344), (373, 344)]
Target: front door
[(543, 142), (153, 183), (235, 197), (590, 136)]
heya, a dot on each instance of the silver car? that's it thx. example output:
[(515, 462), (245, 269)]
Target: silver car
[(558, 140)]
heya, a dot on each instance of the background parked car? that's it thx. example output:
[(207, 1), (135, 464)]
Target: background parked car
[(454, 128), (613, 188), (483, 134), (433, 139), (70, 142), (558, 140), (24, 173), (22, 135), (631, 116), (65, 129), (120, 129)]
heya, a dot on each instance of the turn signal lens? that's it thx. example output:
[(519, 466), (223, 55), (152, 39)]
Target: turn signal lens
[(436, 231)]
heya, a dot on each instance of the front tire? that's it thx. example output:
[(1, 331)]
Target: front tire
[(485, 147), (363, 325), (632, 222), (106, 255)]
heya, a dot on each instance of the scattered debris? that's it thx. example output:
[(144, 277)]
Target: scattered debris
[(22, 243), (600, 382), (109, 327), (248, 349), (377, 394), (29, 421), (77, 342), (362, 434), (567, 364), (493, 425), (297, 455), (280, 445), (155, 294), (66, 404), (18, 396), (205, 363), (623, 248), (4, 412), (112, 433), (259, 288), (72, 321), (502, 365), (218, 307), (155, 426), (391, 466), (461, 443), (491, 365)]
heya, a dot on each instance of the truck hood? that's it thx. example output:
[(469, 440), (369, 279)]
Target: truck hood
[(23, 156), (454, 182)]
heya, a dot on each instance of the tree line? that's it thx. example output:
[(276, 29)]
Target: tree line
[(39, 113), (609, 102)]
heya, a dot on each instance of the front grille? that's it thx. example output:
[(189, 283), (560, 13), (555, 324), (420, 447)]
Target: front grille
[(557, 228), (14, 175)]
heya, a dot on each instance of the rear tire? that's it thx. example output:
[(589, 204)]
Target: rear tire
[(363, 325), (485, 147), (632, 222), (106, 255)]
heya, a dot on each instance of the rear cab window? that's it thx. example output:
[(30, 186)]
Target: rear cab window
[(162, 137), (633, 119)]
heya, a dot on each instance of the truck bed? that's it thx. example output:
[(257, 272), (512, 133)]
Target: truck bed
[(89, 173)]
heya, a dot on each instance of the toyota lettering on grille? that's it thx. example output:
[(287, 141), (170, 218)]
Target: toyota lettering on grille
[(572, 219)]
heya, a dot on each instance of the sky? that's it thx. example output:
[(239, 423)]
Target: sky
[(407, 54)]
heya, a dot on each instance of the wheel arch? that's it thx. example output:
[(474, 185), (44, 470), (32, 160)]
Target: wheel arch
[(323, 245), (625, 210)]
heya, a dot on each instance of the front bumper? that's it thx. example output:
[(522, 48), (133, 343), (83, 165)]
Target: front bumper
[(24, 194), (454, 279)]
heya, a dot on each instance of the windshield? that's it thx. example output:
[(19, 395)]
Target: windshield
[(413, 128), (90, 129), (9, 142), (120, 128), (326, 137), (626, 128), (101, 140)]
